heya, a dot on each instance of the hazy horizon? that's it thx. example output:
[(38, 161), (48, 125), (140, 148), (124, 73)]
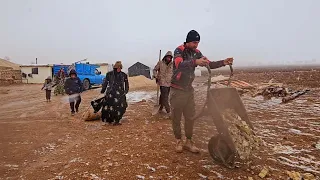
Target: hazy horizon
[(255, 33)]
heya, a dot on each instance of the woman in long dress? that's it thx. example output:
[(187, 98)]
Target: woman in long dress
[(60, 79), (115, 87)]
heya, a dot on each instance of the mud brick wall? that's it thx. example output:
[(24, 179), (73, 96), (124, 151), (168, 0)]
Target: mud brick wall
[(10, 77)]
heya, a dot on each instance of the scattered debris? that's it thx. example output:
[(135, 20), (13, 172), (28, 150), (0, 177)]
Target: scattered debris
[(202, 176), (308, 176), (297, 176), (11, 165), (162, 167), (295, 131), (58, 178), (294, 95), (241, 86), (140, 177), (270, 89), (294, 175), (219, 78), (93, 176), (75, 160), (263, 172), (317, 145), (150, 168)]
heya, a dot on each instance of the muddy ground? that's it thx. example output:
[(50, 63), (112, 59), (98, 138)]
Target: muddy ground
[(40, 140)]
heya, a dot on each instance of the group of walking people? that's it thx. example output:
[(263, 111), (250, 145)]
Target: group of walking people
[(174, 74), (71, 86), (115, 87)]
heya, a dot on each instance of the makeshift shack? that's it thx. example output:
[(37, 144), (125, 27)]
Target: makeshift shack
[(36, 73), (103, 68), (138, 69)]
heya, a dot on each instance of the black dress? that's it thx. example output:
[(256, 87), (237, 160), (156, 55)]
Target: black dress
[(115, 103)]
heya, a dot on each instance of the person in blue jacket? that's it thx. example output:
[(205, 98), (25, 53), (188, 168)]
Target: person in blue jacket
[(73, 87)]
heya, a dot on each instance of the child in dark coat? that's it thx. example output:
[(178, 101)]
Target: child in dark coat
[(73, 87)]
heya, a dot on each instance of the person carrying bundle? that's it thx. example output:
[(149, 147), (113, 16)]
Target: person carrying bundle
[(115, 87), (73, 87)]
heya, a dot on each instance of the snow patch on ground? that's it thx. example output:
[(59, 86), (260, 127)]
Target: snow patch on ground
[(137, 96)]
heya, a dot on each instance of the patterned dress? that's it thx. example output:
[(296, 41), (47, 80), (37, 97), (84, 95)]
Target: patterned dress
[(59, 80), (60, 87), (115, 102)]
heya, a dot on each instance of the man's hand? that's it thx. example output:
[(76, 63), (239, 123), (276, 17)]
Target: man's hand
[(228, 61), (202, 61)]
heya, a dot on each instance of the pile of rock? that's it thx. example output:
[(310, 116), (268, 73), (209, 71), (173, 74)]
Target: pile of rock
[(243, 136)]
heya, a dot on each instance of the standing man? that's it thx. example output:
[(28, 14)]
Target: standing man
[(186, 58), (163, 74)]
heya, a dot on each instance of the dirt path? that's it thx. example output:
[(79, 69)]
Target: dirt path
[(41, 140)]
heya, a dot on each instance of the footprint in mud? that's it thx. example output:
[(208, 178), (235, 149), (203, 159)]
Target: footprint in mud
[(93, 127), (58, 115), (39, 113)]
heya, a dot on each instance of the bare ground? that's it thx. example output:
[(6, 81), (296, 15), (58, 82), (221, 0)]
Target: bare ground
[(40, 140)]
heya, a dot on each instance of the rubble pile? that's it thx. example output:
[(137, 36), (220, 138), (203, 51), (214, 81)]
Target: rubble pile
[(272, 90), (269, 90), (297, 176), (141, 83), (241, 86), (243, 136)]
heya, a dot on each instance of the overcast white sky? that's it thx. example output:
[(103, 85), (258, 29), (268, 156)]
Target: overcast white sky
[(254, 32)]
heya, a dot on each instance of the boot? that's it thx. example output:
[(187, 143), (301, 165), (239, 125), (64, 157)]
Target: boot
[(103, 123), (179, 147), (117, 124), (160, 109), (189, 145)]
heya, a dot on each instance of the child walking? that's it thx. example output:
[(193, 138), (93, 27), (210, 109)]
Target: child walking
[(73, 88), (48, 85)]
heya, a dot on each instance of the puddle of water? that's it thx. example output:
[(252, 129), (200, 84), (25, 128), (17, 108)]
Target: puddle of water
[(309, 166), (138, 96), (282, 149), (299, 101), (260, 103), (298, 132)]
